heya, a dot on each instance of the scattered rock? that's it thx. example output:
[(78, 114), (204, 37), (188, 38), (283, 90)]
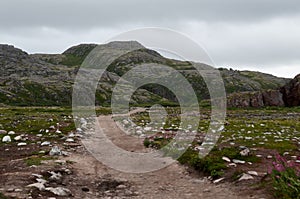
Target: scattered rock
[(22, 144), (246, 177), (70, 140), (232, 165), (245, 152), (238, 161), (121, 186), (55, 151), (59, 191), (11, 133), (39, 185), (253, 173), (218, 180), (56, 177), (6, 138), (46, 143), (3, 131), (226, 159), (18, 138)]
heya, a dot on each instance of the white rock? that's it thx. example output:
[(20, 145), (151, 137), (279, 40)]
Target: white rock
[(245, 152), (22, 144), (253, 173), (37, 175), (232, 165), (226, 159), (147, 128), (46, 143), (3, 131), (238, 161), (59, 191), (11, 133), (55, 151), (286, 153), (121, 186), (52, 127), (269, 157), (18, 138), (6, 138), (246, 177), (58, 131), (55, 176), (70, 140), (218, 180), (38, 185)]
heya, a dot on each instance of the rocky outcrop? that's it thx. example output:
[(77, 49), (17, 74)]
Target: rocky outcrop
[(47, 79), (272, 98), (288, 95), (255, 99), (291, 92)]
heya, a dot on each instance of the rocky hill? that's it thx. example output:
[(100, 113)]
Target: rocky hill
[(47, 79)]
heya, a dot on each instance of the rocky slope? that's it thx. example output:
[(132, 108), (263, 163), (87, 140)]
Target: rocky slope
[(47, 79), (288, 95)]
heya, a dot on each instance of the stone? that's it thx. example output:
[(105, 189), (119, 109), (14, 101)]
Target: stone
[(46, 143), (18, 138), (3, 131), (59, 191), (238, 161), (245, 152), (246, 177), (22, 144), (232, 165), (70, 140), (40, 186), (6, 139), (253, 173), (55, 176), (121, 186), (273, 98), (218, 180), (55, 151), (226, 159), (11, 133)]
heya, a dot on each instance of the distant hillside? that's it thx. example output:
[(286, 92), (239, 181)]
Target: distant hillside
[(47, 79)]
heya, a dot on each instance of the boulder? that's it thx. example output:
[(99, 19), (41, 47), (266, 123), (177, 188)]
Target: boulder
[(291, 92), (273, 98)]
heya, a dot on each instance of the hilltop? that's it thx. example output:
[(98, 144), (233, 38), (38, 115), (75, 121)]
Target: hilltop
[(47, 79)]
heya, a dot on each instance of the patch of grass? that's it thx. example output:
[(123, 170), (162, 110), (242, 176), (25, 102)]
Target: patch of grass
[(2, 196), (36, 160)]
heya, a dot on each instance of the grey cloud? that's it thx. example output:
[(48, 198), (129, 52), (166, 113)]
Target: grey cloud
[(92, 13)]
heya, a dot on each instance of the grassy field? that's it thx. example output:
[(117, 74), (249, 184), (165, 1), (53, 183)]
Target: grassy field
[(268, 133)]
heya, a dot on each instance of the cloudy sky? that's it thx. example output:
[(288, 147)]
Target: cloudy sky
[(261, 35)]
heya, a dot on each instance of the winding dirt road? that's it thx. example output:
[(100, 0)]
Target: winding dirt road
[(174, 181)]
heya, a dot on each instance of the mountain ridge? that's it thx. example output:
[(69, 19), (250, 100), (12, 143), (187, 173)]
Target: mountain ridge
[(47, 79)]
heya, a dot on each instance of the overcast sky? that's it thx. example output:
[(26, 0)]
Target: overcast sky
[(261, 35)]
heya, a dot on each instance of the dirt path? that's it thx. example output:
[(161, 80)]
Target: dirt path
[(173, 181)]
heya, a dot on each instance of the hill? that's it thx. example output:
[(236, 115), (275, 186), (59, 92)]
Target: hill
[(47, 79)]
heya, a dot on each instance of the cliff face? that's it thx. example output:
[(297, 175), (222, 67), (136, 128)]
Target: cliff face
[(288, 95), (291, 92), (255, 99)]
